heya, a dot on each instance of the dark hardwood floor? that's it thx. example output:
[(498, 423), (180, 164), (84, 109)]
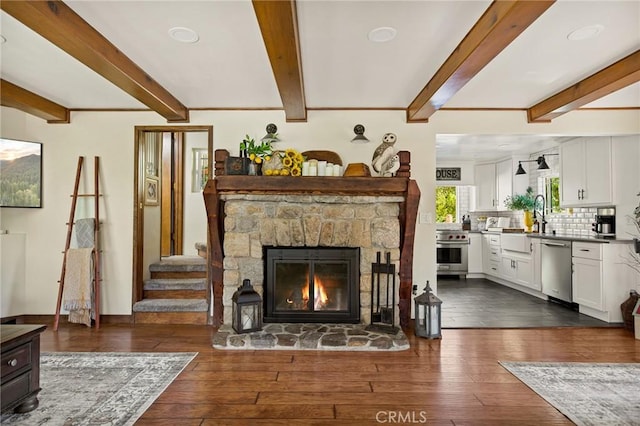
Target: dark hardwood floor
[(480, 303), (453, 381)]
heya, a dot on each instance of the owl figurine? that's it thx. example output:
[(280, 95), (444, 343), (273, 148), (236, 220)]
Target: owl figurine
[(382, 160)]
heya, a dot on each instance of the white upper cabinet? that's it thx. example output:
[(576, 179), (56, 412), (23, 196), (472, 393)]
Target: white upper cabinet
[(585, 172), (485, 176), (504, 182), (495, 182)]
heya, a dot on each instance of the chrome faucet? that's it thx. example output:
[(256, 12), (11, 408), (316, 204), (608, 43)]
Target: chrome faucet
[(543, 223)]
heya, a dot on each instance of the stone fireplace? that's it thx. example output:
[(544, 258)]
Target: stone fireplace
[(255, 221), (249, 214)]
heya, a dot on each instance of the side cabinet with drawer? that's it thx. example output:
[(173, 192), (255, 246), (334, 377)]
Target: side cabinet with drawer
[(600, 279), (587, 275), (494, 258), (20, 369)]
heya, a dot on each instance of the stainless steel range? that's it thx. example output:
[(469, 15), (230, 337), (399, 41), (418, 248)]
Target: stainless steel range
[(452, 248)]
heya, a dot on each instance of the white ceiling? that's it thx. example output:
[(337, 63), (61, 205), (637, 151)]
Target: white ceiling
[(229, 67)]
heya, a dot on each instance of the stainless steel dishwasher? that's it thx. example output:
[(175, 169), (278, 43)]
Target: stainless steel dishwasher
[(556, 269)]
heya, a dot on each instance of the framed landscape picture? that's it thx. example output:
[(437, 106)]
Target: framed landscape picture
[(20, 173)]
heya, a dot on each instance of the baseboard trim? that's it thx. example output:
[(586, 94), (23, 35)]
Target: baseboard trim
[(49, 319)]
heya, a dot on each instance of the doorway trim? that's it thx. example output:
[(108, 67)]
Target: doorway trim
[(138, 194)]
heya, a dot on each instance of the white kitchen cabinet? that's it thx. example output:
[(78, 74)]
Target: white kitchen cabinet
[(504, 182), (517, 269), (517, 262), (585, 172), (475, 265), (600, 281), (587, 275), (485, 177), (493, 259), (536, 257), (497, 181)]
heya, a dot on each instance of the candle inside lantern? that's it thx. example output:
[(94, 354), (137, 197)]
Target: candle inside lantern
[(247, 321)]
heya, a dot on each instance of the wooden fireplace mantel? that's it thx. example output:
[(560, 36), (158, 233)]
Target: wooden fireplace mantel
[(400, 185), (321, 185)]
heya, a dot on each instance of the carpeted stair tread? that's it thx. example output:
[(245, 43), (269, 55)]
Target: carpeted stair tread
[(171, 305), (176, 284), (180, 264)]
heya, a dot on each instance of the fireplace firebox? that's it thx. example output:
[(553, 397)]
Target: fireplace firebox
[(304, 284)]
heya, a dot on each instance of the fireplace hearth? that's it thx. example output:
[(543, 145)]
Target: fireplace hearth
[(311, 285)]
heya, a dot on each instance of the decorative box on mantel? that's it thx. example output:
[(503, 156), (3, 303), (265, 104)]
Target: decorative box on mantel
[(307, 211)]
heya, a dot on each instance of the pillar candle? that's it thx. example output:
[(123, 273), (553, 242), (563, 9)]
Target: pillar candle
[(322, 168), (329, 170)]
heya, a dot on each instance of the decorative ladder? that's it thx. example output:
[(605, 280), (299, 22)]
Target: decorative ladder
[(96, 241)]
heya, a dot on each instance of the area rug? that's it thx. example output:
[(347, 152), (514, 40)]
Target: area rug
[(99, 388), (312, 337), (588, 394)]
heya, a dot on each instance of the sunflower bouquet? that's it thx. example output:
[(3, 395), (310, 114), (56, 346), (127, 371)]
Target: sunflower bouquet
[(285, 163)]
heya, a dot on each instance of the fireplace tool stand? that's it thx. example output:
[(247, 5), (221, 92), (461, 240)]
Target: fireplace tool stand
[(383, 296)]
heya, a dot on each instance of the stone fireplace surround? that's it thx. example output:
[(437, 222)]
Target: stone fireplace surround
[(246, 213), (253, 221)]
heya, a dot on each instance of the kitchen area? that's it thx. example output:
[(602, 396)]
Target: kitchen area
[(568, 262)]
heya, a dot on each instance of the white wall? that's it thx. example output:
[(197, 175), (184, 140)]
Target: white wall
[(195, 215), (152, 238), (626, 182), (111, 136), (12, 274)]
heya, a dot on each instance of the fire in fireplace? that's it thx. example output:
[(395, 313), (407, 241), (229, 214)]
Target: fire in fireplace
[(304, 284)]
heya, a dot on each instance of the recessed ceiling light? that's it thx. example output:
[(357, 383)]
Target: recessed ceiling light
[(382, 34), (585, 33), (183, 35)]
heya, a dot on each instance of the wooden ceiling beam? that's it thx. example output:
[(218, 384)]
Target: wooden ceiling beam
[(612, 78), (278, 22), (16, 97), (58, 23), (498, 26)]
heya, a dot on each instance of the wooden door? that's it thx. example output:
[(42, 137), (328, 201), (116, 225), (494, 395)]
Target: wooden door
[(172, 194)]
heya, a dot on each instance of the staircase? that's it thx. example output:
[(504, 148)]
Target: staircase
[(176, 292)]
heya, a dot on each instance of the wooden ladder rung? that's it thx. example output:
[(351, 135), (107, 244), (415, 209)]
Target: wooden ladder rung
[(96, 278)]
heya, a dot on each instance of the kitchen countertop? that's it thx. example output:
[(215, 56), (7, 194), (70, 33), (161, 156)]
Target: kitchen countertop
[(591, 239), (564, 237)]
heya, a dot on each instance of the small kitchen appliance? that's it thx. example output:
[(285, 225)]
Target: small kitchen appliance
[(605, 224)]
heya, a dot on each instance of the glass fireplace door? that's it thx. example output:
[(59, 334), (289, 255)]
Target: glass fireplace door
[(311, 285)]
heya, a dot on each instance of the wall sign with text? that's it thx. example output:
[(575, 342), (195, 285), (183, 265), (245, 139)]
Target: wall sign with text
[(448, 173)]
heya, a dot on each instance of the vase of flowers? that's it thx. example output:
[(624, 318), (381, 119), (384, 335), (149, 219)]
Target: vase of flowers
[(526, 203), (256, 152), (284, 163)]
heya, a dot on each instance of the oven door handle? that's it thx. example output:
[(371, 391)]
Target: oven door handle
[(452, 243)]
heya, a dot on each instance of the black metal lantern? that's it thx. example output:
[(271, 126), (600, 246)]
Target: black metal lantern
[(428, 315), (246, 309)]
